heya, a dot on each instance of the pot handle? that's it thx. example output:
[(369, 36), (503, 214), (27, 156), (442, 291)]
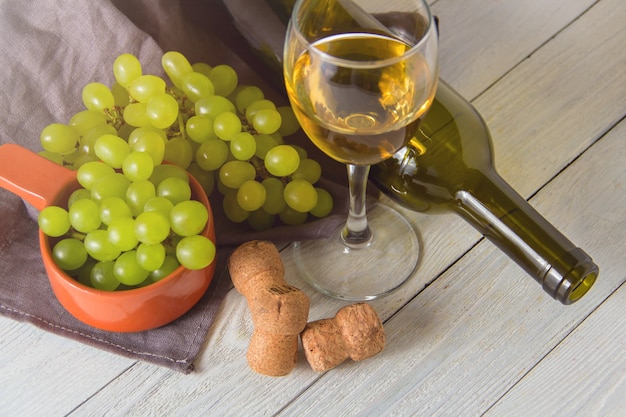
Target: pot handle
[(31, 176)]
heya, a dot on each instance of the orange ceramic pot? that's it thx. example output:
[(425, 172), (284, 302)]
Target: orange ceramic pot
[(42, 183)]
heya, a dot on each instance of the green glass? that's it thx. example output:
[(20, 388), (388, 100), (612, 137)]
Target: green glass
[(448, 166)]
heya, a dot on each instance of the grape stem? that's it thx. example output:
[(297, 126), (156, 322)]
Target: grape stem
[(356, 233), (115, 116), (74, 234)]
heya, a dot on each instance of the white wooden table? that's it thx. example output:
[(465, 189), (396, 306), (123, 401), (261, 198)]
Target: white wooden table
[(470, 333)]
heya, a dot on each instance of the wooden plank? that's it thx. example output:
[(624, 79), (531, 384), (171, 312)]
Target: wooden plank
[(47, 375), (475, 31), (584, 375), (472, 334), (560, 100)]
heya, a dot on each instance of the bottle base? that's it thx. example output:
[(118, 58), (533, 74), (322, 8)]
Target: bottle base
[(355, 273)]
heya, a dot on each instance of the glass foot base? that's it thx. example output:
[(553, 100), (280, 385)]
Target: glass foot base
[(365, 273)]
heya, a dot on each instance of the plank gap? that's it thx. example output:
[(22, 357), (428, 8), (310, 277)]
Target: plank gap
[(549, 352), (530, 54)]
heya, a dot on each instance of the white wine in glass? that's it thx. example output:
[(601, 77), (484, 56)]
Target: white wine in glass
[(360, 74)]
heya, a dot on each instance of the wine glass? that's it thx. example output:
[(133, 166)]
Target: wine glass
[(360, 74)]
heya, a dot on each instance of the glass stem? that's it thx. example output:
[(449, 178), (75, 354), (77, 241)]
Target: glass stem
[(356, 233)]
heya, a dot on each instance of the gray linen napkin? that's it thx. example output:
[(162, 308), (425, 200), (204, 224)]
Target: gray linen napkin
[(50, 50)]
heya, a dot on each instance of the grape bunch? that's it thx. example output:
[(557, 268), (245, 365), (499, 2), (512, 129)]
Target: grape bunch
[(131, 222), (230, 137)]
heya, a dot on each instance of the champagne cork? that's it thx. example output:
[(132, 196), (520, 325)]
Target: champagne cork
[(355, 332), (279, 311)]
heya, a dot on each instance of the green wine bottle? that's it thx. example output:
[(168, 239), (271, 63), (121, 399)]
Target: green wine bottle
[(448, 166)]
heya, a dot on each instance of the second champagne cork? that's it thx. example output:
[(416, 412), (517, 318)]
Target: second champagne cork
[(355, 332)]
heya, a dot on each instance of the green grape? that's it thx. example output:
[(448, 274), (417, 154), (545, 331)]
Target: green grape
[(114, 208), (79, 194), (69, 158), (138, 193), (120, 94), (126, 68), (226, 125), (257, 105), (149, 142), (221, 188), (300, 195), (88, 140), (162, 110), (174, 189), (59, 138), (301, 151), (144, 87), (275, 200), (279, 139), (85, 120), (202, 68), (150, 257), (121, 233), (179, 151), (251, 195), (212, 154), (127, 270), (164, 171), (52, 156), (247, 95), (139, 132), (292, 217), (231, 208), (206, 179), (195, 252), (282, 160), (176, 66), (290, 124), (260, 220), (243, 146), (69, 254), (135, 114), (170, 264), (211, 106), (84, 216), (112, 185), (83, 159), (309, 170), (83, 273), (152, 227), (125, 129), (98, 246), (138, 166), (224, 79), (263, 144), (160, 204), (234, 173), (324, 203), (91, 172), (170, 244), (197, 85), (266, 121), (102, 276), (188, 218), (200, 129), (54, 221), (112, 150), (97, 96)]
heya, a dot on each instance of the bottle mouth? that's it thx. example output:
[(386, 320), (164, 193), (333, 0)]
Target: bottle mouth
[(570, 286), (582, 287)]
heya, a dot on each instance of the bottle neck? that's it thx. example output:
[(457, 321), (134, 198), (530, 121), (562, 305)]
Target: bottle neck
[(565, 271)]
